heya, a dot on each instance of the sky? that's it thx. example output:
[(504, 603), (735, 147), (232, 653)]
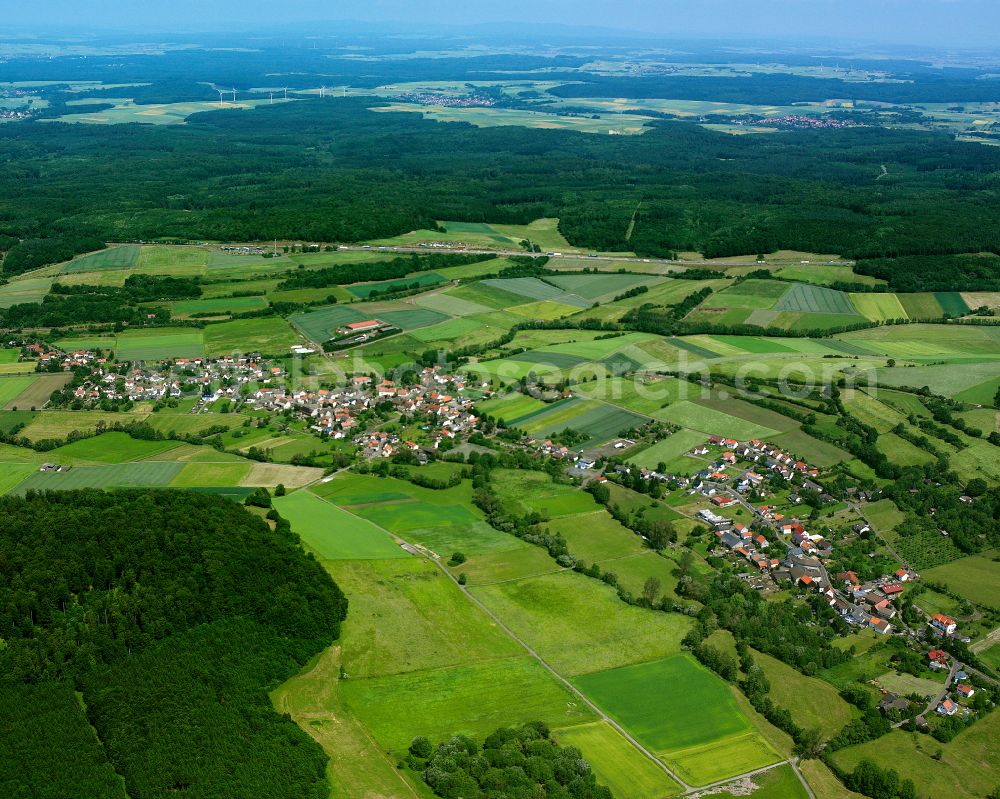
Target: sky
[(947, 23)]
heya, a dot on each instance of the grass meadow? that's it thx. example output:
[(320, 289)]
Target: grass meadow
[(333, 532), (683, 712)]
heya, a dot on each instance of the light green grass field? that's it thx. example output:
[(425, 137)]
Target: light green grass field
[(159, 343), (645, 397), (27, 290), (143, 473), (333, 532), (824, 275), (616, 763), (211, 475), (669, 448), (681, 710), (473, 700), (269, 335), (596, 536), (803, 298), (712, 422), (878, 307), (220, 305), (968, 766), (406, 615), (58, 424), (976, 577), (527, 491), (812, 702), (11, 474), (111, 448), (12, 387), (884, 515), (579, 625), (113, 258)]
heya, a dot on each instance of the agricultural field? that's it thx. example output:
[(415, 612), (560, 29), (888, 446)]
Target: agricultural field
[(24, 290), (825, 274), (709, 421), (878, 307), (110, 448), (668, 449), (579, 625), (159, 343), (967, 766), (334, 533), (142, 473), (12, 387), (269, 335), (802, 298), (618, 764), (697, 729), (976, 577), (113, 258)]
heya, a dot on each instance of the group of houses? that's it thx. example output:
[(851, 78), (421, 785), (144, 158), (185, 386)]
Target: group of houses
[(207, 378), (436, 397)]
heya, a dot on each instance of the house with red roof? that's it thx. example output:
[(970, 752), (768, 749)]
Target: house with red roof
[(943, 623)]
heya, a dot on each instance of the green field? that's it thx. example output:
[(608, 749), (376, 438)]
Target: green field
[(976, 577), (879, 307), (12, 387), (713, 422), (424, 280), (407, 615), (322, 323), (684, 713), (110, 448), (25, 290), (812, 702), (966, 767), (113, 258), (143, 473), (527, 491), (669, 448), (58, 424), (268, 335), (158, 344), (619, 765), (219, 305), (472, 700), (802, 298), (579, 625), (333, 532)]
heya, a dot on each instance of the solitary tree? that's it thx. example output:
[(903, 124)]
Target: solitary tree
[(651, 589)]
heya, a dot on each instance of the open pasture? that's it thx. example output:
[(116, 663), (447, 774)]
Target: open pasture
[(26, 290), (967, 766), (710, 421), (444, 521), (209, 474), (667, 449), (269, 335), (423, 279), (645, 397), (579, 625), (826, 274), (406, 615), (333, 532), (12, 474), (879, 307), (976, 577), (159, 343), (512, 407), (535, 491), (683, 712), (603, 287), (596, 536), (12, 387), (751, 294), (143, 473), (112, 258), (59, 424), (804, 298), (110, 448), (542, 309), (947, 379), (449, 304), (220, 305), (535, 289), (619, 124), (483, 294), (927, 340), (616, 763), (472, 699)]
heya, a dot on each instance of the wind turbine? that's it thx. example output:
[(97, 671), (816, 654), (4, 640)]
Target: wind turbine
[(272, 98), (220, 97), (322, 91), (234, 95), (286, 92)]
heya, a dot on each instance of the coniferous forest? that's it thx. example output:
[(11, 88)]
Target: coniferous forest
[(158, 620)]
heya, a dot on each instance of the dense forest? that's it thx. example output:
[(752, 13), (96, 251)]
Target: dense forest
[(335, 171), (172, 613)]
